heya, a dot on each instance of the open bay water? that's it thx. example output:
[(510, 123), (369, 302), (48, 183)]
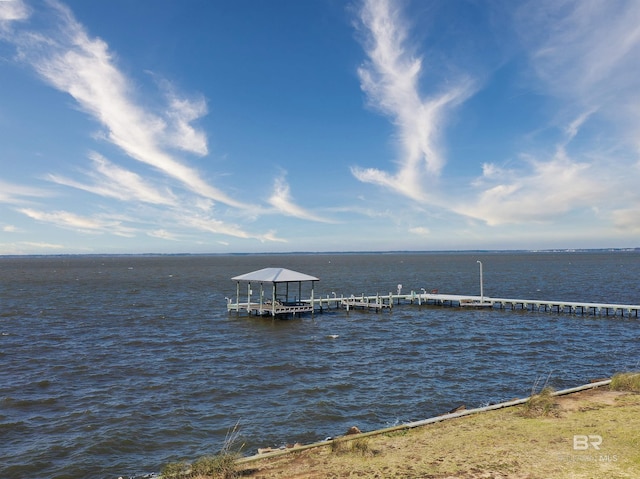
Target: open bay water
[(116, 365)]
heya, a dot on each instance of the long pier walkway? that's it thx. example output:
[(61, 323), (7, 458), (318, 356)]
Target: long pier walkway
[(379, 302)]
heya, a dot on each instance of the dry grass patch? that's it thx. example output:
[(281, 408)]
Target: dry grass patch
[(500, 444), (219, 466), (359, 446), (542, 404), (625, 382)]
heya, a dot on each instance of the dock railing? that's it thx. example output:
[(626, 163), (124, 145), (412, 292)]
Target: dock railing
[(435, 298), (380, 302)]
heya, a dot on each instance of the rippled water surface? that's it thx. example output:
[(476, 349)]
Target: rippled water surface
[(114, 366)]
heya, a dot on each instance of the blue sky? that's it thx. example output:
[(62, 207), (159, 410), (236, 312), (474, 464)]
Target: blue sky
[(213, 126)]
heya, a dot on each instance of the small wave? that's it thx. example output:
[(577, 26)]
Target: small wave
[(292, 368), (14, 426), (342, 386), (27, 404)]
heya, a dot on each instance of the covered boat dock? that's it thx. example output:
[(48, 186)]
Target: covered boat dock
[(279, 282)]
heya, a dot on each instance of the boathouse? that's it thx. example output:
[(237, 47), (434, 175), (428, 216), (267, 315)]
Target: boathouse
[(281, 284)]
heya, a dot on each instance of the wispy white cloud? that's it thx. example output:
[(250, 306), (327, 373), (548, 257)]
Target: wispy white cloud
[(66, 57), (595, 88), (627, 220), (42, 246), (573, 128), (85, 224), (391, 79), (190, 214), (181, 113), (584, 49), (584, 56), (212, 225), (420, 231), (12, 10), (174, 223), (15, 194), (163, 234), (271, 236), (29, 247), (110, 180), (71, 61), (282, 201), (549, 190)]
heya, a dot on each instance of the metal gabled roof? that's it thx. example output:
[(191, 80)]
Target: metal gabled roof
[(275, 275)]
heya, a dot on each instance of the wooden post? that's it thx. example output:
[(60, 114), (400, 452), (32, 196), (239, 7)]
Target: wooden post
[(237, 297), (273, 299), (312, 305), (261, 296)]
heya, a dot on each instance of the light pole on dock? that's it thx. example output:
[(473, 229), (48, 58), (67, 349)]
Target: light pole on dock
[(481, 287)]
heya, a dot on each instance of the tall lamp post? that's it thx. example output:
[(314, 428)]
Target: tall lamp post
[(481, 287)]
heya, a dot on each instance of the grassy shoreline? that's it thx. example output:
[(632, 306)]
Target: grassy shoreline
[(591, 434)]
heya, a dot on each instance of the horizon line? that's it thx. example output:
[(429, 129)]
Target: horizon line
[(267, 253)]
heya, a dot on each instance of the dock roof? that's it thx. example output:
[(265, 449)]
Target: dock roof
[(275, 275)]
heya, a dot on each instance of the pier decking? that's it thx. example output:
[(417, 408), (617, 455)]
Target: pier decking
[(273, 309), (281, 304), (379, 302), (375, 302)]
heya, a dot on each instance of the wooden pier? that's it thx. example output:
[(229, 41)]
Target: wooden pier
[(280, 303), (365, 302), (379, 302), (273, 309)]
